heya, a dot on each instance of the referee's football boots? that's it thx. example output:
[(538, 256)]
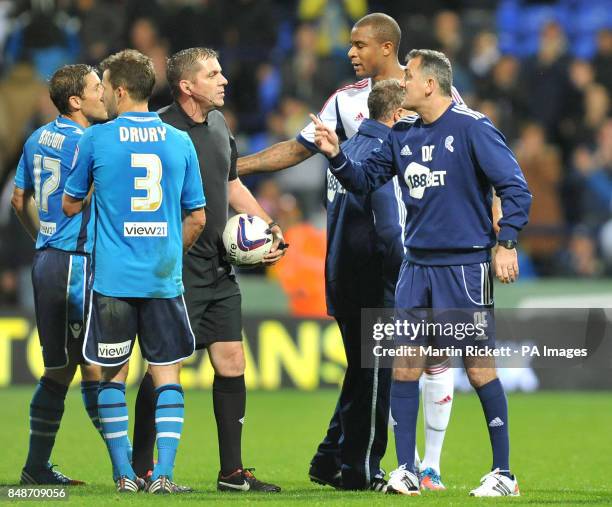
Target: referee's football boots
[(47, 476), (243, 480)]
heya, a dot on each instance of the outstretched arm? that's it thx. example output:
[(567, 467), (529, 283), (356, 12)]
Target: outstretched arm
[(357, 177), (289, 153), (275, 158)]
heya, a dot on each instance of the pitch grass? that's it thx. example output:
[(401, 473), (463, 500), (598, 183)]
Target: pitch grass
[(561, 451)]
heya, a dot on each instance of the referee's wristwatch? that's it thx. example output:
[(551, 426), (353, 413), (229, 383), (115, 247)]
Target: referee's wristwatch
[(508, 243)]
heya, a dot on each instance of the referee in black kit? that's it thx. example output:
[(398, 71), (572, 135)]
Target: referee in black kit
[(211, 291)]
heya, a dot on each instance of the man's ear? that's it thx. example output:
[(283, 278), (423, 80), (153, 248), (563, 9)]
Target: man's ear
[(430, 85), (387, 48), (120, 92), (74, 102), (185, 86), (399, 113)]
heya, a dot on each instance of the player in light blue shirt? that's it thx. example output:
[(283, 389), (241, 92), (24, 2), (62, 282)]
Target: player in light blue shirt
[(145, 174), (43, 168), (61, 264)]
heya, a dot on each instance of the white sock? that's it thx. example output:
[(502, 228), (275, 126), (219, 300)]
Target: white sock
[(437, 393)]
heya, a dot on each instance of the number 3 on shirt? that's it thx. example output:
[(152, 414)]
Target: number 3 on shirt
[(151, 182)]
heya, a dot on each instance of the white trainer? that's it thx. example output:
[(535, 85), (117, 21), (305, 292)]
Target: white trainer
[(496, 484), (403, 482)]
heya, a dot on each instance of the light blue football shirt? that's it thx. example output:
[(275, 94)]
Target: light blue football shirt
[(144, 173), (43, 167)]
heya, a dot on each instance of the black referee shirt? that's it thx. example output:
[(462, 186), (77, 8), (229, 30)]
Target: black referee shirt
[(217, 154)]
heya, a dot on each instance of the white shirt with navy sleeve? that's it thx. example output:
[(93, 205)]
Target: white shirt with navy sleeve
[(344, 111)]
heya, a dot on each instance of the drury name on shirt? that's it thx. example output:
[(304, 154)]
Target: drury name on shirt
[(142, 134)]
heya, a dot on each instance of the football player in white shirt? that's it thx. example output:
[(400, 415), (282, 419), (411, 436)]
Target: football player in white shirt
[(374, 56), (374, 49)]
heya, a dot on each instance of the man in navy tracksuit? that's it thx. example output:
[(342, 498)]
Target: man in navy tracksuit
[(358, 274), (447, 160)]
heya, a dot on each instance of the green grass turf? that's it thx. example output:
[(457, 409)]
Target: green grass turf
[(561, 451)]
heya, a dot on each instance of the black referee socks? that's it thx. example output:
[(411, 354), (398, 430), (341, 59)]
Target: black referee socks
[(144, 427), (229, 401)]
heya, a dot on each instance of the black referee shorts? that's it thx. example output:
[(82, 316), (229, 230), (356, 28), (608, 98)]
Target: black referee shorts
[(213, 300)]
